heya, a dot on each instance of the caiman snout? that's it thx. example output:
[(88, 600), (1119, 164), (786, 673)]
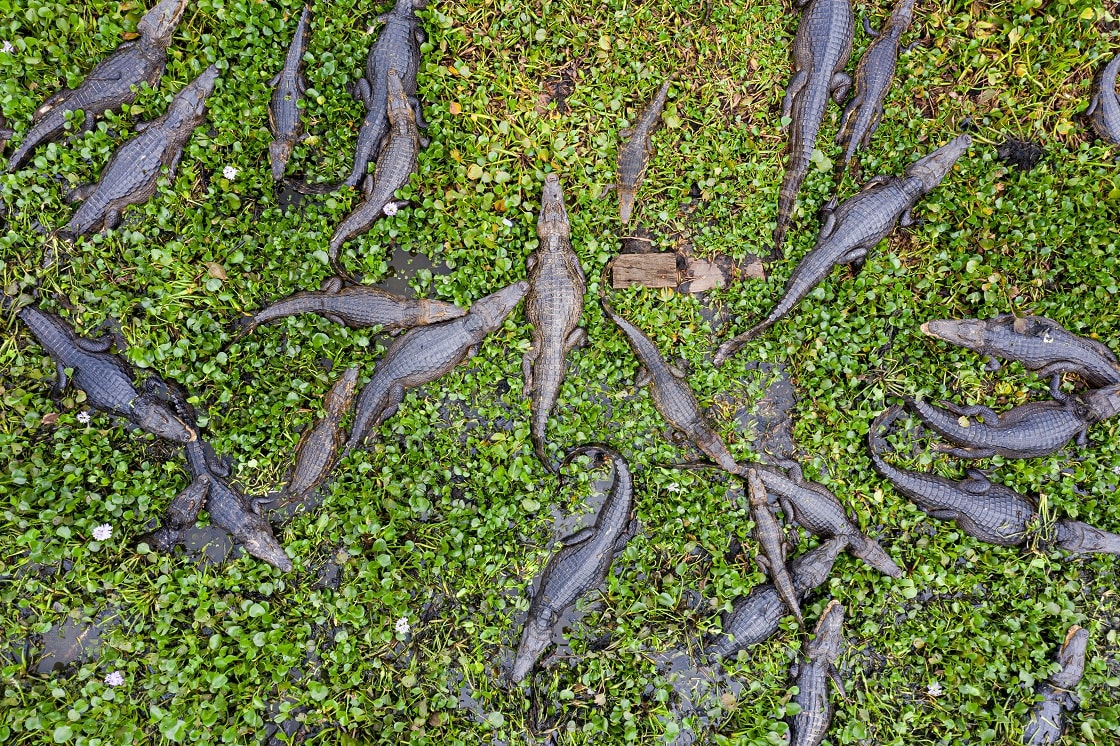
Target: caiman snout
[(1104, 403), (552, 202), (534, 640), (263, 546), (155, 418), (934, 167), (488, 313), (964, 333), (159, 23)]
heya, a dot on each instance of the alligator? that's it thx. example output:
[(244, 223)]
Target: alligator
[(1047, 719), (426, 354), (634, 154), (181, 515), (1030, 430), (283, 110), (398, 160), (580, 565), (1104, 106), (553, 307), (111, 85), (820, 51), (397, 48), (874, 74), (1039, 344), (811, 676), (757, 616), (853, 229), (356, 306), (132, 174), (772, 542)]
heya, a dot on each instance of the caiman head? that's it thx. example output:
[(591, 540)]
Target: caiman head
[(534, 639), (154, 417), (158, 24), (399, 108), (936, 166), (1103, 403), (190, 103), (961, 332), (488, 313), (813, 568), (553, 219), (1072, 657), (279, 151), (341, 395), (903, 14), (826, 639), (435, 311)]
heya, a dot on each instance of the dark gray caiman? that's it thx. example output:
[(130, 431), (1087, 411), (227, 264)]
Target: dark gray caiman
[(634, 154), (553, 308), (132, 174), (854, 228), (358, 307), (757, 616), (1047, 720), (821, 49), (5, 133), (397, 162), (283, 109), (426, 354), (180, 516), (768, 533), (1104, 106), (580, 565), (809, 726), (111, 84), (1039, 344), (397, 48)]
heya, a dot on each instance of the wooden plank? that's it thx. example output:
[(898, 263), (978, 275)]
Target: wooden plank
[(649, 270)]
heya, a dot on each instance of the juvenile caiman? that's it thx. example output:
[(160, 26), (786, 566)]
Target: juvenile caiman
[(426, 354), (132, 174), (1047, 719), (283, 109), (772, 559), (553, 307), (1039, 344), (181, 515), (111, 84), (398, 160), (853, 229), (821, 49), (580, 565), (634, 154), (1104, 106), (397, 48), (809, 726)]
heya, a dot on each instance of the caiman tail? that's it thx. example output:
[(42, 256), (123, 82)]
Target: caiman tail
[(796, 169), (546, 390), (875, 442), (733, 345), (588, 449)]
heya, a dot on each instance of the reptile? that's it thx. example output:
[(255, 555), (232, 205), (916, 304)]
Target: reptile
[(1104, 106), (5, 133), (853, 229), (181, 515), (635, 152), (132, 174), (811, 676), (553, 307), (1047, 719), (111, 85), (283, 109), (580, 565), (425, 354), (773, 545)]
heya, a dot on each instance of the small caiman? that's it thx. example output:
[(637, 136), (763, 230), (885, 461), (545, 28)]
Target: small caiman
[(397, 48), (397, 162), (1047, 720), (580, 565), (553, 307), (132, 174), (821, 49), (358, 307), (757, 616), (809, 726), (853, 229), (768, 533), (5, 133), (426, 354), (111, 84), (1039, 344), (634, 154), (1104, 106), (283, 109), (181, 514)]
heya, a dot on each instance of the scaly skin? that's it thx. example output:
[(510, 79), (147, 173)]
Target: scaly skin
[(821, 49), (181, 515), (109, 86), (553, 307), (1039, 344), (772, 542), (423, 355), (1047, 720), (854, 228), (808, 727), (5, 133), (283, 109), (634, 154), (132, 173), (581, 565), (1104, 107)]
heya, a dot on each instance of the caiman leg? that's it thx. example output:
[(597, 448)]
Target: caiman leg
[(973, 410)]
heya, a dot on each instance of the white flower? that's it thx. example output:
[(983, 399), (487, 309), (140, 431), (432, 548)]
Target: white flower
[(508, 222), (229, 172), (116, 678), (8, 47), (390, 208), (102, 532), (403, 627), (934, 689), (83, 417)]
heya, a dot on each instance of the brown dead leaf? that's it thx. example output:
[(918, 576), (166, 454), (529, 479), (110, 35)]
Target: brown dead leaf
[(50, 418), (454, 108), (215, 270)]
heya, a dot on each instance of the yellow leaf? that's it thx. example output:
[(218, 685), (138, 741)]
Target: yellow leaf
[(1089, 14), (605, 43), (454, 108), (474, 172)]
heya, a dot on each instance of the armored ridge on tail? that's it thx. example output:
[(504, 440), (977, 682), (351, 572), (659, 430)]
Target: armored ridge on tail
[(283, 108), (634, 154)]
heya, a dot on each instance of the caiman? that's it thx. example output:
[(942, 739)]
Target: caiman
[(634, 154), (426, 354), (821, 49), (757, 616), (772, 559), (283, 109), (111, 84), (1104, 106), (580, 565), (809, 726), (1039, 344), (5, 133), (397, 48), (397, 162), (553, 307), (181, 515), (874, 74), (1047, 720), (358, 307), (132, 174), (854, 228)]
